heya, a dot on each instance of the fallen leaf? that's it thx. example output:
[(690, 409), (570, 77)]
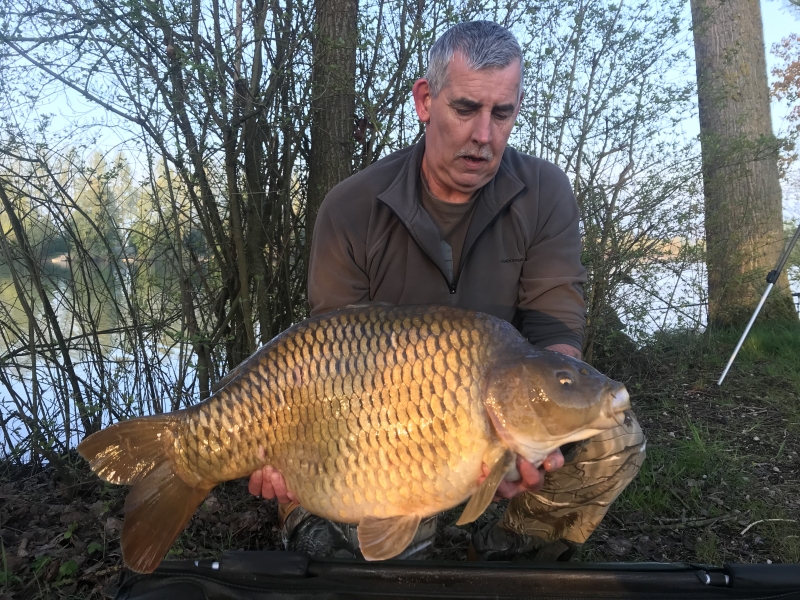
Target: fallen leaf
[(248, 520), (8, 537), (456, 534), (50, 571), (95, 567), (618, 546), (113, 525), (56, 509), (211, 504), (98, 509), (71, 517), (635, 517), (648, 549), (15, 563)]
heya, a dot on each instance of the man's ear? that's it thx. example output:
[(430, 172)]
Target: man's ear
[(422, 99)]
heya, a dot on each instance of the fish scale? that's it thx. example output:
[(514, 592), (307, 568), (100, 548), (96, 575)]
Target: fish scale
[(376, 415)]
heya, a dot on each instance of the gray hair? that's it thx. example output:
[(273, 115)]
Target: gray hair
[(484, 45)]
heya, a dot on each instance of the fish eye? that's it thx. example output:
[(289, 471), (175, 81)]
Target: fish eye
[(564, 379)]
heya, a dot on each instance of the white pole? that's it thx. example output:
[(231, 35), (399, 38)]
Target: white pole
[(747, 329)]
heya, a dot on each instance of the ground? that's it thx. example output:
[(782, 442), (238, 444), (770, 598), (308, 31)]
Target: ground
[(721, 482)]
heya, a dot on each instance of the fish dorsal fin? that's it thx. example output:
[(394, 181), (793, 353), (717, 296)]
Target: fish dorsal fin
[(380, 539), (481, 498)]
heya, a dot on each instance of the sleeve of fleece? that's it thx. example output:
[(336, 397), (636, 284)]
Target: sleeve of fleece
[(335, 276), (551, 304)]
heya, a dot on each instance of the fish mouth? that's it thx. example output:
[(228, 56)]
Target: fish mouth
[(618, 412)]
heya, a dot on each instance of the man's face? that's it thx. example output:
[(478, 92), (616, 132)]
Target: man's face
[(468, 125)]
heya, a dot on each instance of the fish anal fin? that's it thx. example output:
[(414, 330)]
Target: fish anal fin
[(381, 538), (483, 496), (157, 509)]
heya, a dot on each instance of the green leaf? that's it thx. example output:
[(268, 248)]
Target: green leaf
[(70, 530), (68, 569), (94, 547), (39, 563)]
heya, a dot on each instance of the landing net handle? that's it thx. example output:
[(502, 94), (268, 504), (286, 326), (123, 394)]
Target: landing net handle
[(771, 279)]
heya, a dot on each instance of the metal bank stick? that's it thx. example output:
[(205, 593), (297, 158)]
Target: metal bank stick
[(771, 279)]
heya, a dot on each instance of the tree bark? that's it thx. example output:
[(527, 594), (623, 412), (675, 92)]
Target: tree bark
[(333, 104), (743, 214)]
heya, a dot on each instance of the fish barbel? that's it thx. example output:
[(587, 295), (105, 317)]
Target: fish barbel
[(377, 415)]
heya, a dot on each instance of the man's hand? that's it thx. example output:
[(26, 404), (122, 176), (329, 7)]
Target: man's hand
[(532, 478), (269, 483)]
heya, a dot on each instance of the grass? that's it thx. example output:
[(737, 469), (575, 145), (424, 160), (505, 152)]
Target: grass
[(718, 458), (707, 548)]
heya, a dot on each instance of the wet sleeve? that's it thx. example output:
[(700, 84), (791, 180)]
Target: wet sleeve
[(336, 273), (551, 307)]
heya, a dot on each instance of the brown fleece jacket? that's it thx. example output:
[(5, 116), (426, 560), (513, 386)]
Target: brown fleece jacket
[(374, 242)]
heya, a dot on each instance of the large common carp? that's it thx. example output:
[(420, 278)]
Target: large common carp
[(376, 415)]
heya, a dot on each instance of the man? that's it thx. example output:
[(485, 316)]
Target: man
[(460, 219)]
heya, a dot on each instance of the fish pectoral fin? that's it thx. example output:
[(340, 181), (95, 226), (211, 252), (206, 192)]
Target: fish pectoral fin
[(380, 539), (481, 498)]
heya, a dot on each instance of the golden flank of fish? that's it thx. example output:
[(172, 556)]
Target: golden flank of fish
[(376, 415)]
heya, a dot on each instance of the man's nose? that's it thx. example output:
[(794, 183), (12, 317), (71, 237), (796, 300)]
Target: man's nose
[(482, 129)]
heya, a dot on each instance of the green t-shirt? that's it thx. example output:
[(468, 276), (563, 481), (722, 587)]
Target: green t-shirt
[(452, 220)]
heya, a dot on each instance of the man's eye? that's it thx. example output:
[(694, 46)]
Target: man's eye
[(464, 112), (501, 116)]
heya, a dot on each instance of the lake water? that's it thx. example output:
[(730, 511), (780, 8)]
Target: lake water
[(122, 372)]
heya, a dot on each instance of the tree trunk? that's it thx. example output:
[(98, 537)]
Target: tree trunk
[(743, 216), (333, 104)]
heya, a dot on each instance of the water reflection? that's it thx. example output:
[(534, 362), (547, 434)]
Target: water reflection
[(127, 354)]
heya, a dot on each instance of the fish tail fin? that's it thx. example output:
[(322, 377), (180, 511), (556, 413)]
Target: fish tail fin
[(124, 453), (160, 503), (157, 509)]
